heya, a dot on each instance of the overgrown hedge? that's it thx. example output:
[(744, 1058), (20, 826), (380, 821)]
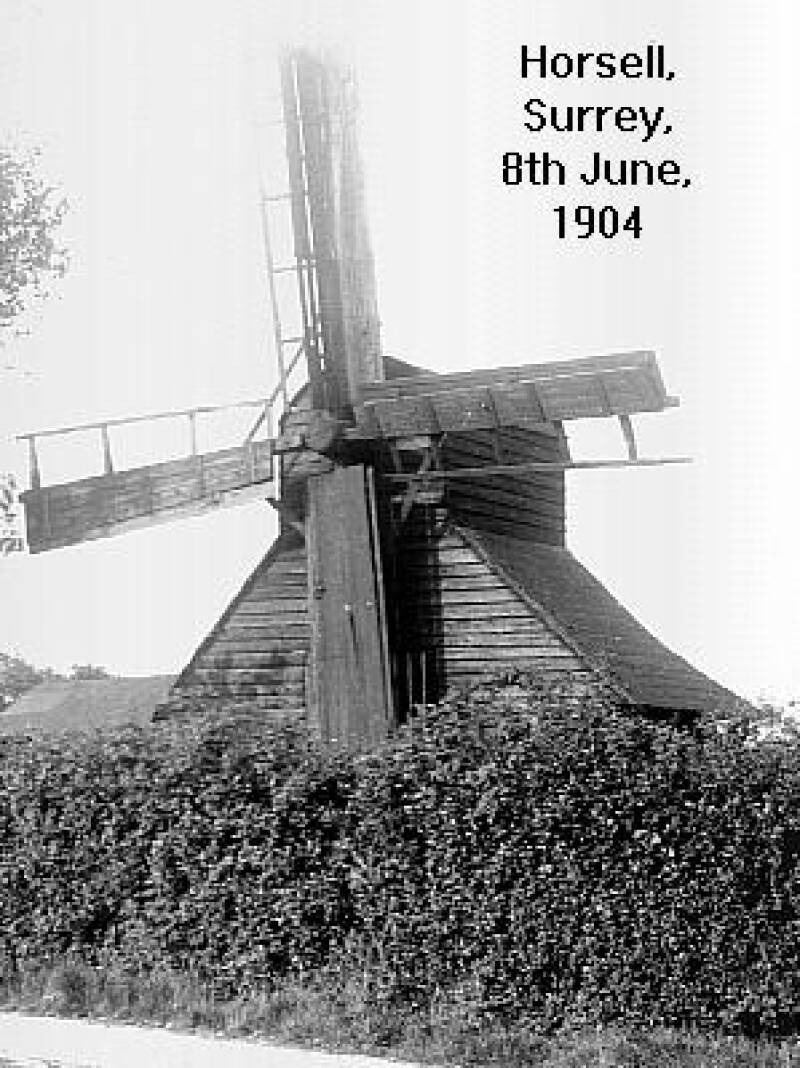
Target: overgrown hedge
[(531, 854)]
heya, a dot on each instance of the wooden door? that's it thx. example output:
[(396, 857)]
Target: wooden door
[(349, 695)]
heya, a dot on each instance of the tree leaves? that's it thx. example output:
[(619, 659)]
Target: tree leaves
[(17, 676), (30, 214), (557, 856)]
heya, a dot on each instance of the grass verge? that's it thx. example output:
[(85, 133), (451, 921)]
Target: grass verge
[(324, 1012)]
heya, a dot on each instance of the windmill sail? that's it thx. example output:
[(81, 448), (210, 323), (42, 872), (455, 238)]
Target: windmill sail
[(332, 248), (423, 534)]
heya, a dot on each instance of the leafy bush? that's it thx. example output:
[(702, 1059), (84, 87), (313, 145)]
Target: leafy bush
[(527, 856)]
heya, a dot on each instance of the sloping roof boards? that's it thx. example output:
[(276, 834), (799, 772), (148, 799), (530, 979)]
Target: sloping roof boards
[(648, 672), (471, 602), (256, 653)]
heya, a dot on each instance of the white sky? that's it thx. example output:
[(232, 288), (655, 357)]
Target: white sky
[(146, 112)]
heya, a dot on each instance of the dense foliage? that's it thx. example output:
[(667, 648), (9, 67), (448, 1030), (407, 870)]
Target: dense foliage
[(17, 676), (532, 855), (30, 215)]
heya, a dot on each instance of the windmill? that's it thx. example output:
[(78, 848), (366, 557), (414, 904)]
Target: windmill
[(422, 516)]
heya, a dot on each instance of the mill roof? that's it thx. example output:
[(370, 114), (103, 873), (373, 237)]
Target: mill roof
[(603, 630)]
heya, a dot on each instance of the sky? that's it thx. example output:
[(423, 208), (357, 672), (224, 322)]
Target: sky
[(152, 118)]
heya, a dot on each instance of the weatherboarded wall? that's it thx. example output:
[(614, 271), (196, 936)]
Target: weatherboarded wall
[(456, 618), (526, 505), (453, 618), (256, 655)]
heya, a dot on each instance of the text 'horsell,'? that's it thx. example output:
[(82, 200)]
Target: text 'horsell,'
[(545, 117)]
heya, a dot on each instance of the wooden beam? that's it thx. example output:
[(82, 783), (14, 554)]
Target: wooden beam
[(630, 437), (461, 403), (47, 539), (431, 456), (380, 587), (108, 462), (114, 503), (152, 417), (349, 691), (193, 433), (304, 270), (538, 465), (412, 443), (288, 515), (643, 361), (33, 461)]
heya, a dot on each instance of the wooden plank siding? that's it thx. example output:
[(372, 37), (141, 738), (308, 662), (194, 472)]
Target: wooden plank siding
[(460, 602), (455, 618), (596, 387), (649, 673), (256, 655), (103, 505), (452, 619), (409, 380), (530, 506)]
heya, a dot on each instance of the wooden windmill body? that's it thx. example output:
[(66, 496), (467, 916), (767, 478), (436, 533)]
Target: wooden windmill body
[(422, 516)]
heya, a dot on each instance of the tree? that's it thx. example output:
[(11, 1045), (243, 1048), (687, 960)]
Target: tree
[(30, 259), (11, 528), (84, 672), (17, 676), (30, 215)]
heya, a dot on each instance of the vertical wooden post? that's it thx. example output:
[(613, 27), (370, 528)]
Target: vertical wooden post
[(350, 688), (33, 459), (193, 432), (380, 588), (630, 437), (108, 463)]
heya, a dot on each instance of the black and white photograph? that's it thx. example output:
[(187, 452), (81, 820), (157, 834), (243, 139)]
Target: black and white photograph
[(399, 583)]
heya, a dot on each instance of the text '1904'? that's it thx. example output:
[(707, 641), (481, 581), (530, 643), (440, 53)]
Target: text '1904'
[(545, 117)]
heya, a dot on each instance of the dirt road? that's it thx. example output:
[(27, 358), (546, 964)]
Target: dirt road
[(46, 1042)]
